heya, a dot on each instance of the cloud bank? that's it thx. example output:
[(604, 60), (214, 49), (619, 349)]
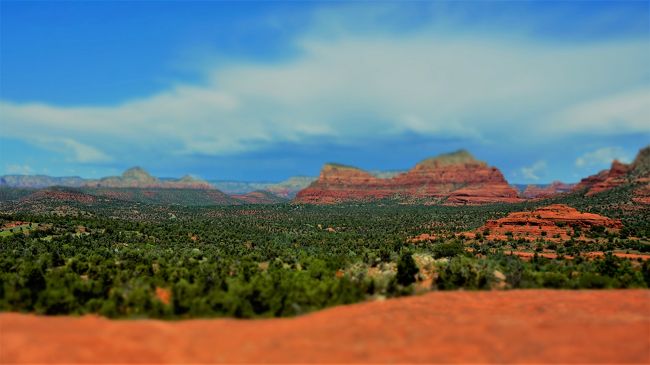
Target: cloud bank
[(485, 88)]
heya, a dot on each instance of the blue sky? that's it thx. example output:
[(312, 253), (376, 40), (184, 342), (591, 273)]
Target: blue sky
[(264, 91)]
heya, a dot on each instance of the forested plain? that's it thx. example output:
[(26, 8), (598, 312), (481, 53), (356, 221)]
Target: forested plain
[(135, 260)]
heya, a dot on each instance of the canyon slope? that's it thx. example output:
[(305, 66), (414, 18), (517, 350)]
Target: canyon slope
[(638, 173), (454, 179)]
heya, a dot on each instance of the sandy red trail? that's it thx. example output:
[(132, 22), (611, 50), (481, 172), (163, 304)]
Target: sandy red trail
[(531, 326)]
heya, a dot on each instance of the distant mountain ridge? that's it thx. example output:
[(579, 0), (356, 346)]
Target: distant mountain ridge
[(137, 177), (286, 189), (40, 181), (452, 179)]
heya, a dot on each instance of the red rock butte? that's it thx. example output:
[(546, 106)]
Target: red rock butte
[(455, 179), (553, 223)]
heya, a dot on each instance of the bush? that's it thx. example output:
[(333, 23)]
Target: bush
[(406, 269), (464, 272), (449, 249)]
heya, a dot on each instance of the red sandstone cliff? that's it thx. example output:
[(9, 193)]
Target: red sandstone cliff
[(455, 178), (607, 179)]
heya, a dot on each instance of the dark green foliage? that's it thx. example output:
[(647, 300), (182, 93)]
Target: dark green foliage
[(406, 269), (448, 249), (464, 272), (277, 260)]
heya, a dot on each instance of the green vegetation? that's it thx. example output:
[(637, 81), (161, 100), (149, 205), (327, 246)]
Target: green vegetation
[(283, 260)]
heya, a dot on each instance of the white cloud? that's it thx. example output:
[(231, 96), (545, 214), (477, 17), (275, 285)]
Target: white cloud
[(74, 151), (534, 171), (16, 169), (84, 153), (602, 157), (626, 112), (355, 86)]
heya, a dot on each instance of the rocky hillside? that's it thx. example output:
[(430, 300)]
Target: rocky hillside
[(456, 179), (638, 172)]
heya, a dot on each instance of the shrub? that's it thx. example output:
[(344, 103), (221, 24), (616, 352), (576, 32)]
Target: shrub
[(406, 269), (449, 249), (464, 272)]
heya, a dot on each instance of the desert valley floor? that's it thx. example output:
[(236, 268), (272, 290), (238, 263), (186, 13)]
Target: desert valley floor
[(525, 326), (355, 268)]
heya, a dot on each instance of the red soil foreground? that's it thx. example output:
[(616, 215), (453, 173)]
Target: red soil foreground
[(534, 326)]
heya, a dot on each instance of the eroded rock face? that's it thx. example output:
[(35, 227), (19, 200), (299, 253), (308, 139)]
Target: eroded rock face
[(455, 178), (617, 175), (548, 191), (552, 223), (340, 183), (637, 172)]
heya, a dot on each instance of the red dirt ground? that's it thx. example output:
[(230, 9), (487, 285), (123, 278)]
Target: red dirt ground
[(534, 326)]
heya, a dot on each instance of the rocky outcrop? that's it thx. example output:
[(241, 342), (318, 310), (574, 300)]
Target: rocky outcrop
[(617, 175), (454, 178), (546, 191), (555, 222), (638, 172), (136, 177)]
